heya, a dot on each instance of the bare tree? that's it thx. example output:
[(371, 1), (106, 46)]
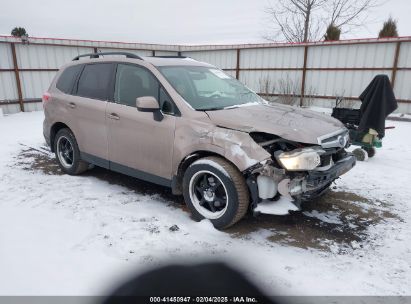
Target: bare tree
[(267, 88), (349, 13), (286, 90), (293, 19), (307, 20)]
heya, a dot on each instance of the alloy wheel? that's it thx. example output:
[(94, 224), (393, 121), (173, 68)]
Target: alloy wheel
[(65, 152), (208, 194)]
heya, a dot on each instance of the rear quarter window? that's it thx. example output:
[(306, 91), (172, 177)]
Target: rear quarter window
[(67, 79)]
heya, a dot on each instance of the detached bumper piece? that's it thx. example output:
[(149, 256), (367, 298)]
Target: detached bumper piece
[(318, 181)]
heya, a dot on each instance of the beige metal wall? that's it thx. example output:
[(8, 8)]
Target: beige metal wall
[(321, 70)]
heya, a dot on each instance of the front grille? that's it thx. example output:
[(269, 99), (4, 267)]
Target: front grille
[(337, 139)]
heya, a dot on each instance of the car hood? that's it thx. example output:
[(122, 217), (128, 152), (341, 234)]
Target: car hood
[(288, 122)]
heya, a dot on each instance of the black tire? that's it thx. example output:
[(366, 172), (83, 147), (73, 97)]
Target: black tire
[(76, 166), (232, 184), (360, 154), (370, 151)]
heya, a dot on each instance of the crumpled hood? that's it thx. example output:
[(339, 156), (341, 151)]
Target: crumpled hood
[(288, 122)]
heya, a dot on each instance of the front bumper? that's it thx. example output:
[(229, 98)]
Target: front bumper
[(300, 186), (318, 179)]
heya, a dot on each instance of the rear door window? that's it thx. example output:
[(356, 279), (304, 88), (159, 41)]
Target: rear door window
[(67, 79), (95, 81)]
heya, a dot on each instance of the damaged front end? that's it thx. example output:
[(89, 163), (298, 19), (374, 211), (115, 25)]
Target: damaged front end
[(297, 171)]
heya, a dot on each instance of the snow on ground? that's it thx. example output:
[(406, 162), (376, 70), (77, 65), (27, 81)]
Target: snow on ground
[(65, 235), (280, 207)]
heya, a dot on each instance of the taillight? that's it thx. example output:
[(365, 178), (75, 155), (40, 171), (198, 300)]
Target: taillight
[(46, 98)]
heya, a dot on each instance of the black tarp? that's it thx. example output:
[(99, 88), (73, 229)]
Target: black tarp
[(378, 101)]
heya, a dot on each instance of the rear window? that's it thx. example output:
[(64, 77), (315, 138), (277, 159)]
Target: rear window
[(68, 78), (95, 80)]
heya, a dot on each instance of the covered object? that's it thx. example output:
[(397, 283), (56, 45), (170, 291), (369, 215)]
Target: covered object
[(378, 101)]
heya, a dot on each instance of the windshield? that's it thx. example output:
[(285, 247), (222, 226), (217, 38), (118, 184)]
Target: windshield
[(207, 88)]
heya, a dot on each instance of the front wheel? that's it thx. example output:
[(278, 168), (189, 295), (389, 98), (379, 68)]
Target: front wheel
[(214, 189)]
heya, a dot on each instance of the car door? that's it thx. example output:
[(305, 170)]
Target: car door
[(62, 110), (89, 108), (139, 145)]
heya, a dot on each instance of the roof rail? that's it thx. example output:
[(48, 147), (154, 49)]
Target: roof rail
[(97, 55), (170, 56)]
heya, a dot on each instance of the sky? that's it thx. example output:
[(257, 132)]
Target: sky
[(167, 21)]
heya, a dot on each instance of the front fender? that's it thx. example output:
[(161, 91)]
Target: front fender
[(239, 147), (236, 146)]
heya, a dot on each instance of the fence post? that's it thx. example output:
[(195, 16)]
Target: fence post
[(395, 64), (237, 68), (303, 78), (17, 74)]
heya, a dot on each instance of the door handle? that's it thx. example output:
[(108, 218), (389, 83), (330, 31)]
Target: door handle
[(114, 116), (72, 105)]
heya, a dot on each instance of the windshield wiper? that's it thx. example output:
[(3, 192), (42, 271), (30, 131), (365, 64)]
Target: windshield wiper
[(231, 107), (221, 108), (210, 109), (246, 93)]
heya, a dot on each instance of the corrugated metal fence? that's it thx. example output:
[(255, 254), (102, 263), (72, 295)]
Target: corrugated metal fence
[(313, 73)]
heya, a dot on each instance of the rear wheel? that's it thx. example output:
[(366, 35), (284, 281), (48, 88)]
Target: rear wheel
[(68, 154), (214, 189)]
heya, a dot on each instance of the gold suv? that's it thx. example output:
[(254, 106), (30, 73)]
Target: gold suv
[(188, 125)]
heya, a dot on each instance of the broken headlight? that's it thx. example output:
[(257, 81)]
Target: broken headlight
[(299, 159)]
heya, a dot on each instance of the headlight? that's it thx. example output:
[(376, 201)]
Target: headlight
[(300, 159)]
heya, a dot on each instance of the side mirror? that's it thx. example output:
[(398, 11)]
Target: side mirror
[(147, 104)]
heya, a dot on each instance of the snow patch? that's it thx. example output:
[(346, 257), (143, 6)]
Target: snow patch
[(207, 227), (280, 207), (321, 110), (212, 164), (248, 104)]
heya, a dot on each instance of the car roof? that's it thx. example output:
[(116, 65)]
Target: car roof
[(156, 61)]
